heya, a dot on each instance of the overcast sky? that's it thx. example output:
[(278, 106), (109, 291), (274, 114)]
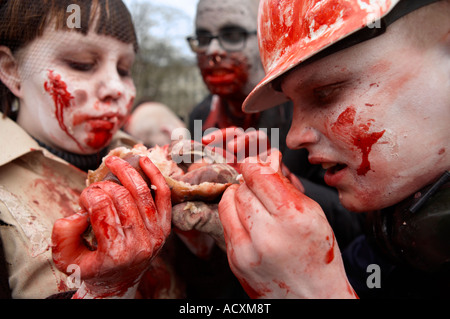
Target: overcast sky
[(178, 33), (188, 6)]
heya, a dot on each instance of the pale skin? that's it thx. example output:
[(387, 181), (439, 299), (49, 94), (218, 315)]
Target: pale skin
[(242, 69), (129, 225), (75, 92), (100, 91), (397, 100), (243, 66), (229, 75)]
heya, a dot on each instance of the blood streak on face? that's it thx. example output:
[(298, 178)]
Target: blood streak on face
[(57, 88), (359, 136)]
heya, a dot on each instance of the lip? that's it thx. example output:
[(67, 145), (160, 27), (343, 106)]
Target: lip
[(105, 122), (333, 178), (220, 76), (101, 125), (335, 171)]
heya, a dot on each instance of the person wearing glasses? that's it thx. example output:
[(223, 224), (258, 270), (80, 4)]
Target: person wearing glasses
[(226, 46), (370, 83)]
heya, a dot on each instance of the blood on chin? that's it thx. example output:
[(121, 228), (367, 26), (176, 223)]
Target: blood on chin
[(91, 144), (98, 139), (226, 91)]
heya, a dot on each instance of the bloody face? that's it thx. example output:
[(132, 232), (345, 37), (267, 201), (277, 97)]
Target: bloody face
[(375, 119), (225, 77), (229, 73), (77, 89)]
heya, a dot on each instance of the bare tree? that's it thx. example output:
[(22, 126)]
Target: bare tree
[(162, 71)]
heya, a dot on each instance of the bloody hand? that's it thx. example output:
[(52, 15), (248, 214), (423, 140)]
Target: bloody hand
[(236, 145), (130, 228), (201, 217), (279, 242)]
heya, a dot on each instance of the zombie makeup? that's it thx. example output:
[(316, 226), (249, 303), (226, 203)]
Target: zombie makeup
[(229, 73), (376, 120), (76, 89)]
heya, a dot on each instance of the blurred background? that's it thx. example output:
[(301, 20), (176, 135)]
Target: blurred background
[(166, 70)]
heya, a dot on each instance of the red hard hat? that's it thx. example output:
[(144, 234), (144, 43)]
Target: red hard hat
[(292, 31)]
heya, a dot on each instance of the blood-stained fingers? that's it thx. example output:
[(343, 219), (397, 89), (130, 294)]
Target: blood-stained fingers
[(126, 208), (162, 193), (136, 185), (110, 210), (66, 244), (292, 178), (272, 188), (236, 141), (232, 226), (240, 249), (251, 143), (126, 225), (220, 138), (103, 217), (217, 141)]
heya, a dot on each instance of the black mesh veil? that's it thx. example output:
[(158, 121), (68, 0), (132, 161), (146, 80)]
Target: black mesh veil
[(22, 21)]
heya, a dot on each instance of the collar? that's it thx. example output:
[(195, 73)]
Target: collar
[(15, 141)]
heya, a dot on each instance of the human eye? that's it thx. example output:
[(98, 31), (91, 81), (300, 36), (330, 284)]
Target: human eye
[(125, 65), (203, 38), (232, 35), (80, 66), (329, 93), (124, 72)]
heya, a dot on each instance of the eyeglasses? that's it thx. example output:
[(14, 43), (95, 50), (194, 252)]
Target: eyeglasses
[(230, 41)]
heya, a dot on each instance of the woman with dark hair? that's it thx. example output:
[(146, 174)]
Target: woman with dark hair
[(66, 90)]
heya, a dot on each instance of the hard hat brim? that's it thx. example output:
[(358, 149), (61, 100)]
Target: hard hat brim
[(264, 96)]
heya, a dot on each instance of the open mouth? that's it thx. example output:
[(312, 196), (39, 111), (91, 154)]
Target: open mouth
[(333, 168)]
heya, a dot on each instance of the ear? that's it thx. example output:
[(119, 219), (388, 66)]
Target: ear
[(9, 71)]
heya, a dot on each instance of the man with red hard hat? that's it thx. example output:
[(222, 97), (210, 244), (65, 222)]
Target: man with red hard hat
[(370, 85)]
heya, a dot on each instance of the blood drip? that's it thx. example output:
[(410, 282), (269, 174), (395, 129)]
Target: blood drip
[(57, 88), (359, 135)]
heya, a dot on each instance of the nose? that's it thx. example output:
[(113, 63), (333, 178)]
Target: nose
[(301, 136), (214, 47), (110, 86)]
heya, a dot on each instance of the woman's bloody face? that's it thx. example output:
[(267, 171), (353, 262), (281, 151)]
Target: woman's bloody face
[(76, 89)]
